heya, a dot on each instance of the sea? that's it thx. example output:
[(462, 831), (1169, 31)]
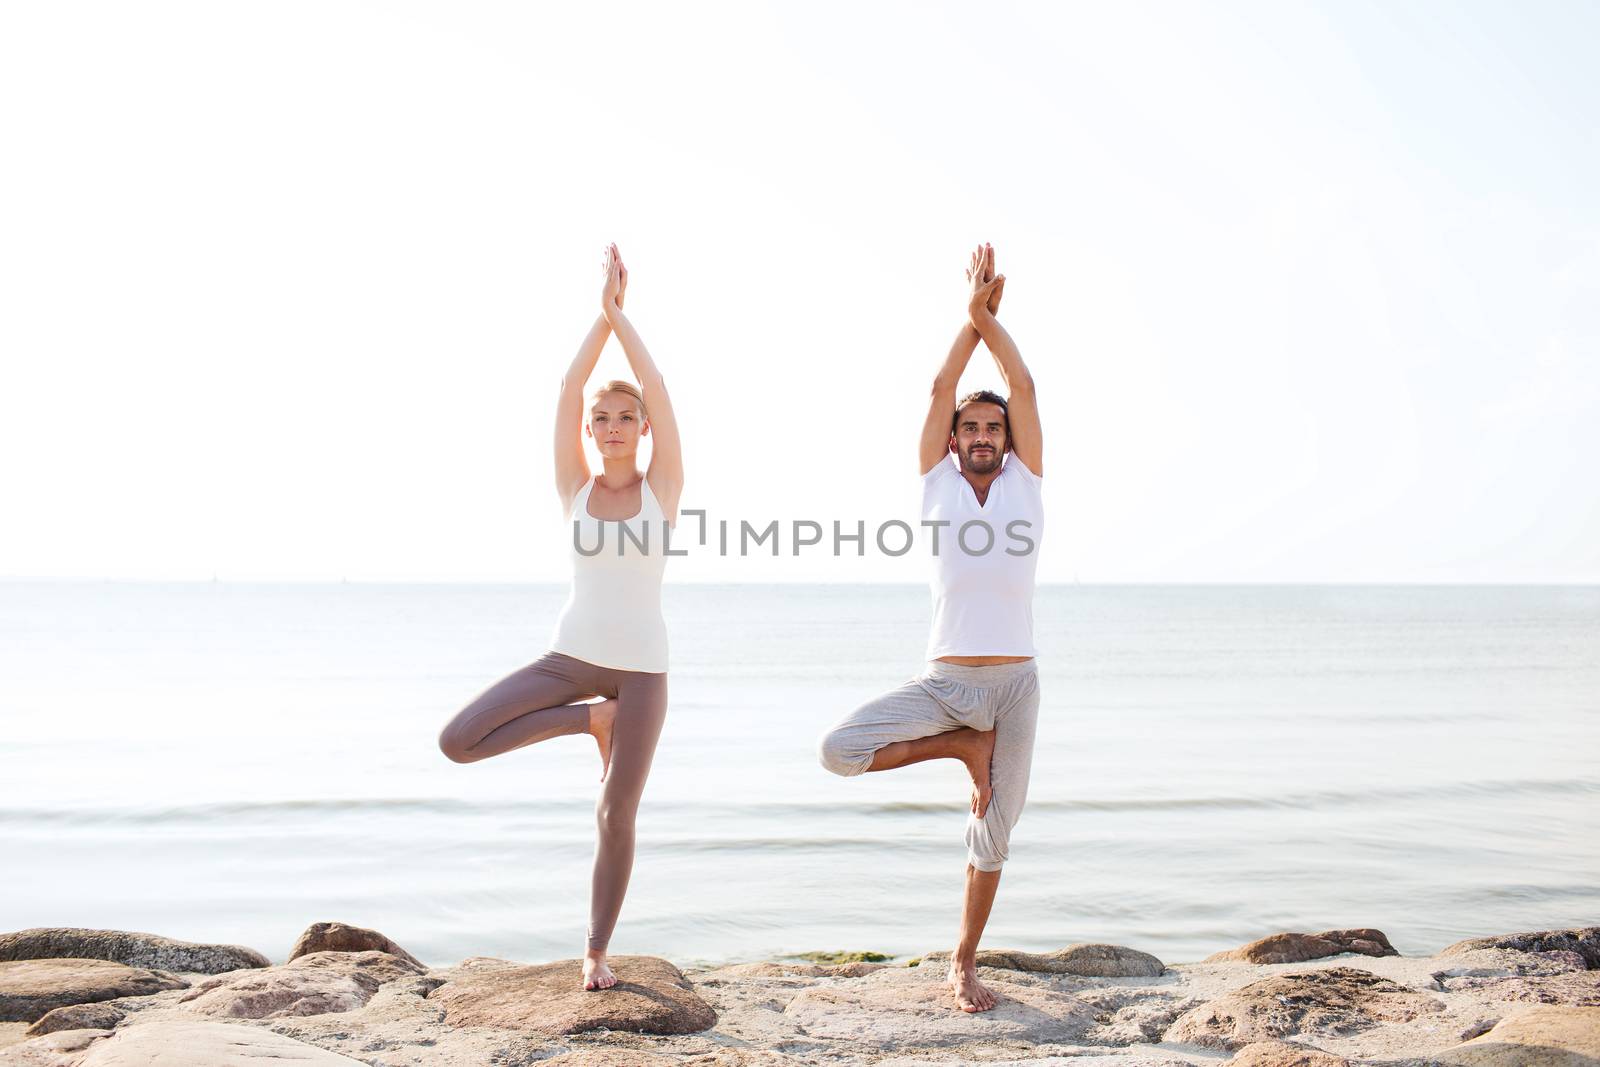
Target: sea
[(231, 762)]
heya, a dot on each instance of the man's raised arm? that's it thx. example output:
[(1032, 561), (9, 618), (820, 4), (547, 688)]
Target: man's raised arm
[(1022, 406), (935, 444)]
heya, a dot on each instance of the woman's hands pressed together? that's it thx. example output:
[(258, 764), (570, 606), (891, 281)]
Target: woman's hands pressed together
[(616, 283)]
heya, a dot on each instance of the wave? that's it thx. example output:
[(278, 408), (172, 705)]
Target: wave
[(742, 811)]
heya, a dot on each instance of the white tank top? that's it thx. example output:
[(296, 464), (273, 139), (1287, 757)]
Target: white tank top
[(983, 600), (613, 616)]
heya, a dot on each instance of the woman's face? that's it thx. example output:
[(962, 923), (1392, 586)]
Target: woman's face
[(616, 425)]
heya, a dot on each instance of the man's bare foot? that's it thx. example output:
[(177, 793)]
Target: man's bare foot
[(977, 750), (596, 975), (971, 994), (602, 720)]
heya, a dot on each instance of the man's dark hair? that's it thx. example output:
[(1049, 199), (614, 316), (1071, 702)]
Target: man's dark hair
[(982, 396)]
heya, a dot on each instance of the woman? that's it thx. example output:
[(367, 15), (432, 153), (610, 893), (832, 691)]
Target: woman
[(610, 640)]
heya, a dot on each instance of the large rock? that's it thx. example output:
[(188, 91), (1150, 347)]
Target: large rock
[(651, 997), (1584, 940), (1297, 948), (1285, 1054), (126, 946), (31, 988), (338, 937), (64, 1048), (1336, 1001), (97, 1016), (914, 1007), (170, 1042), (317, 984), (179, 1042), (1087, 960), (1543, 1036)]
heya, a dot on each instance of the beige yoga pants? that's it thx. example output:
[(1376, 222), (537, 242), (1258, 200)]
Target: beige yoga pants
[(946, 696), (537, 703)]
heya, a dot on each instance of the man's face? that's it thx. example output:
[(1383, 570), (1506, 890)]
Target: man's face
[(616, 425), (980, 437)]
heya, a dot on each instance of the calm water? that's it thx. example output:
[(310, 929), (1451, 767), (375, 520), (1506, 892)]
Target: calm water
[(226, 762)]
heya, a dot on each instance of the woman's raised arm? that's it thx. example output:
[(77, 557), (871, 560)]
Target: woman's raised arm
[(572, 466), (666, 455)]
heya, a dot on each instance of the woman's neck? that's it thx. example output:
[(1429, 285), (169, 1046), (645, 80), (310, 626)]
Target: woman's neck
[(619, 473)]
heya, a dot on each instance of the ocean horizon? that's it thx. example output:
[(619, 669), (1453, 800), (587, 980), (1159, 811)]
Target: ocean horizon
[(231, 761)]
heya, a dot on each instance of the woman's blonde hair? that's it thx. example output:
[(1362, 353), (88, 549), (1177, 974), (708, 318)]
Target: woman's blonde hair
[(617, 385)]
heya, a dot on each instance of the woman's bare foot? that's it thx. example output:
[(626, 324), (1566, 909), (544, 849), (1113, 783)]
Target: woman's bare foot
[(977, 751), (596, 975), (971, 994), (602, 720)]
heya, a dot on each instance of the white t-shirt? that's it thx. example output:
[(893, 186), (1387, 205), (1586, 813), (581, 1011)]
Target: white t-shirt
[(984, 560)]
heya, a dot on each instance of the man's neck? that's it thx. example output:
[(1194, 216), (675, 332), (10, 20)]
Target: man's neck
[(981, 482)]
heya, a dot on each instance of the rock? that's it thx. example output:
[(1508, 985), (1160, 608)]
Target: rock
[(782, 969), (651, 997), (63, 1048), (1087, 960), (899, 1008), (1580, 989), (835, 958), (179, 1042), (1131, 1015), (1508, 963), (31, 988), (1336, 1001), (1584, 940), (337, 937), (628, 1057), (1297, 948), (1545, 1036), (1285, 1054), (99, 1016), (611, 1058), (128, 947), (311, 985)]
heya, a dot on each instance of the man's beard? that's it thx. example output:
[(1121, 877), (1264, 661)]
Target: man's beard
[(982, 464)]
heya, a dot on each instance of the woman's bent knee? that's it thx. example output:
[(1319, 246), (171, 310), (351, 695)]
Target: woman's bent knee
[(454, 749)]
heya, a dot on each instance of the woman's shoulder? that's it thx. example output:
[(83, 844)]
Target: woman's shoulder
[(664, 495), (574, 499)]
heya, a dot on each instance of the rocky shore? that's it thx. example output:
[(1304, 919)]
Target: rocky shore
[(346, 995)]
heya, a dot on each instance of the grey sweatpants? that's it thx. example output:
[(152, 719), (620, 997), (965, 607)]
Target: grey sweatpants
[(945, 696)]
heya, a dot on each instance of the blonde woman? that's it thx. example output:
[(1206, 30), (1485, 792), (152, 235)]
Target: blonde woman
[(610, 641)]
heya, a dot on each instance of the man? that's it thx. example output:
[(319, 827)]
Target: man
[(977, 700)]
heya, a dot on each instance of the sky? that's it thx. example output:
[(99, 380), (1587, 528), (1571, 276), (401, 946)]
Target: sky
[(1310, 292)]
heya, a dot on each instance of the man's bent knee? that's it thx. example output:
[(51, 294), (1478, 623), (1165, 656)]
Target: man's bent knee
[(988, 845), (987, 864), (836, 754)]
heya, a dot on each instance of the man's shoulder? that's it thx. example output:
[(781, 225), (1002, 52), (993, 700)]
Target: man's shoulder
[(1021, 471), (939, 471)]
